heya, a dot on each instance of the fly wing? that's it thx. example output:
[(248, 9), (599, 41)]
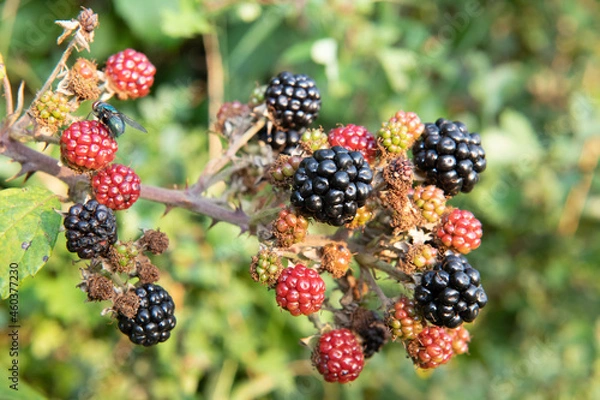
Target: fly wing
[(132, 123)]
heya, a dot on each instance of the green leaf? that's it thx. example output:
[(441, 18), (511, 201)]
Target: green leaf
[(145, 18), (29, 226), (185, 23), (514, 142)]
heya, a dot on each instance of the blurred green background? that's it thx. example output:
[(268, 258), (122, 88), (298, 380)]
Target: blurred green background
[(525, 74)]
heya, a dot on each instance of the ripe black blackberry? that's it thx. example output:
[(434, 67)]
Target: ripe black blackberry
[(331, 185), (285, 142), (451, 157), (154, 319), (91, 229), (293, 101), (451, 293)]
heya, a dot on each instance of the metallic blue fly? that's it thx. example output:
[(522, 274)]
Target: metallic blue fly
[(113, 119)]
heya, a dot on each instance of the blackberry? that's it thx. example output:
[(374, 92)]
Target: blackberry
[(293, 101), (266, 267), (451, 293), (154, 319), (354, 137), (450, 156), (300, 290), (91, 229), (431, 348), (285, 142), (460, 230), (314, 139), (289, 228), (331, 185), (338, 356), (403, 320)]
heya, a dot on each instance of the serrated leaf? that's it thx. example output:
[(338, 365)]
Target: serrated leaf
[(29, 226)]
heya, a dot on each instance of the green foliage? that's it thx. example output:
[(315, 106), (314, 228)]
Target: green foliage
[(523, 74), (28, 230)]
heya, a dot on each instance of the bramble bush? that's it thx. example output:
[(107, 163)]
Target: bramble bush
[(349, 227)]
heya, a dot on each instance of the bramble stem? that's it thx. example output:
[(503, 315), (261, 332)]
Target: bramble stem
[(366, 273), (316, 321), (7, 87), (33, 161), (57, 69), (217, 164), (216, 77), (372, 262), (198, 204)]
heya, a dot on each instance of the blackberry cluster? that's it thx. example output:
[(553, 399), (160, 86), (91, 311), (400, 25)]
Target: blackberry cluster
[(451, 293), (282, 141), (293, 101), (91, 229), (154, 319), (331, 185), (451, 157)]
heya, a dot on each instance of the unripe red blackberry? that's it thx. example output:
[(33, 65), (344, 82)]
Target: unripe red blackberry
[(460, 339), (354, 138), (431, 348), (336, 259), (404, 320), (460, 231), (266, 267), (300, 290), (289, 228), (338, 356), (87, 145), (116, 186), (293, 101), (399, 133), (130, 74)]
